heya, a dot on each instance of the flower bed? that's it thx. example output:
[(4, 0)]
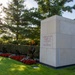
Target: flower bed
[(18, 58), (21, 58), (29, 61), (5, 54)]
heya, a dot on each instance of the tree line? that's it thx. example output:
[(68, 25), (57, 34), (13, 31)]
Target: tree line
[(24, 23)]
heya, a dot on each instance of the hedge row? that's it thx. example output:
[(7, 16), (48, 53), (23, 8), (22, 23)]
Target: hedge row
[(23, 49)]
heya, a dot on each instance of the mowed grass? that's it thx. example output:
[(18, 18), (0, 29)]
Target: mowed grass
[(12, 67)]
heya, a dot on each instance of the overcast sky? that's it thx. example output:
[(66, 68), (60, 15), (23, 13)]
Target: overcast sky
[(31, 3)]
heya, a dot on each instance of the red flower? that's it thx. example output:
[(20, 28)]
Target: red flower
[(5, 54), (18, 58), (29, 61)]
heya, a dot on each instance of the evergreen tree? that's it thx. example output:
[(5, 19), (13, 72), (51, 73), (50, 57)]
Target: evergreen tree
[(0, 19), (13, 19), (33, 29)]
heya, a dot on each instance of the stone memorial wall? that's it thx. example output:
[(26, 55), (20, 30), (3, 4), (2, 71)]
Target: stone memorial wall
[(57, 41)]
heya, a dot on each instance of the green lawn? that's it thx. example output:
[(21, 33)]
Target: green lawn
[(12, 67)]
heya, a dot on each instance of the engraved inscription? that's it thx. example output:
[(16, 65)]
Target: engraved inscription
[(47, 41)]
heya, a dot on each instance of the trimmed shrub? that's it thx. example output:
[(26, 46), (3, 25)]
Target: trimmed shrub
[(22, 49)]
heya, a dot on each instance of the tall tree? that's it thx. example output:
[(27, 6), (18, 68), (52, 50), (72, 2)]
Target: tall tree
[(53, 7), (33, 30), (2, 27), (0, 18), (13, 19)]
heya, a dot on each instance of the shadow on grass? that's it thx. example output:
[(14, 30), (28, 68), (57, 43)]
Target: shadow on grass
[(12, 67)]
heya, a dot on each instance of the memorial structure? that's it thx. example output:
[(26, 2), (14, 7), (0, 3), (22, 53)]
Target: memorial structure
[(57, 41)]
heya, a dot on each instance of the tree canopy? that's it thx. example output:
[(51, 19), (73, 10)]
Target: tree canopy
[(53, 7), (25, 23), (13, 19)]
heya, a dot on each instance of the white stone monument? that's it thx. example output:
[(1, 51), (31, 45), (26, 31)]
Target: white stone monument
[(57, 41)]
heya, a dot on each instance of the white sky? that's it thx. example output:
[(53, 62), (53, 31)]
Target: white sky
[(31, 3), (70, 15)]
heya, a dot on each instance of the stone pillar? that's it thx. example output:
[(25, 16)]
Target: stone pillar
[(57, 41)]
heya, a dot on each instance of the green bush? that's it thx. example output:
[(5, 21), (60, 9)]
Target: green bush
[(23, 49)]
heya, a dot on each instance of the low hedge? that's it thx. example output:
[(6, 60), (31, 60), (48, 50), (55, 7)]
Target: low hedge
[(23, 49)]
